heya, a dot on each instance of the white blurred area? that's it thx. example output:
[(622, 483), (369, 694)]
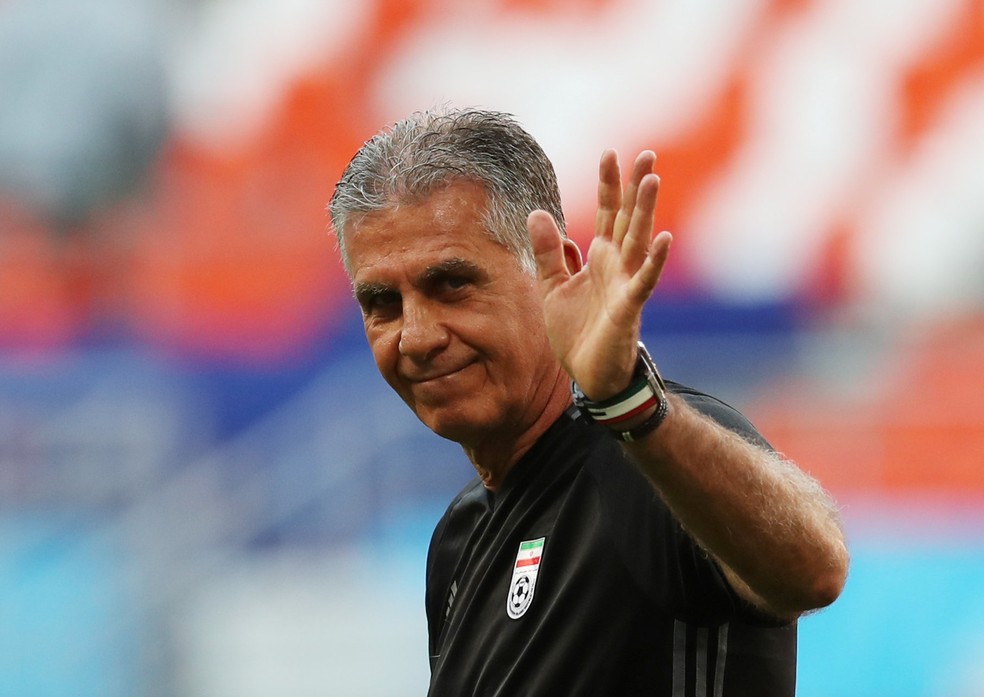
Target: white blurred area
[(820, 144), (824, 102), (158, 540), (305, 627), (231, 60)]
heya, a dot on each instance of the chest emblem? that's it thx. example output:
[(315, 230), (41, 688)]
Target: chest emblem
[(524, 575)]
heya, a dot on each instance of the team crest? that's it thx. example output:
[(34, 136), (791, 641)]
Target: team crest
[(523, 583)]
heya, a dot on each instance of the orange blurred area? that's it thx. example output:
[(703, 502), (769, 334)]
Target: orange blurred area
[(225, 252), (39, 297), (921, 432), (228, 253), (956, 55)]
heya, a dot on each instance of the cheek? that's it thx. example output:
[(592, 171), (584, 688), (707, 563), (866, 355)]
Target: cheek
[(526, 339), (383, 349), (527, 321)]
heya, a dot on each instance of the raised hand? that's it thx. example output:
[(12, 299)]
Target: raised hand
[(593, 313)]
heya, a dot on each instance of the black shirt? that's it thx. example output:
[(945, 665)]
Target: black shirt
[(575, 579)]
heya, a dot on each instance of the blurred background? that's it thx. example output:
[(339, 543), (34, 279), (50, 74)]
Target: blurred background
[(205, 487)]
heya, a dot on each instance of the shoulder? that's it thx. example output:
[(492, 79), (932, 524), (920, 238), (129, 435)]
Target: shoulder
[(719, 411), (634, 523), (661, 557), (470, 498), (447, 540)]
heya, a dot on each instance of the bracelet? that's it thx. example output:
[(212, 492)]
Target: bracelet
[(645, 391), (647, 426)]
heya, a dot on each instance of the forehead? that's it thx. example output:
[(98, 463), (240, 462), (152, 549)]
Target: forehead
[(449, 223)]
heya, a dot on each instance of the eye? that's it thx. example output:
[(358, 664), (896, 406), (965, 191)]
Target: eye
[(456, 282), (375, 301), (387, 298)]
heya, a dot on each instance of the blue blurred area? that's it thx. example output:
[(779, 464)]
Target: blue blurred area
[(133, 482), (909, 624), (69, 620), (724, 347)]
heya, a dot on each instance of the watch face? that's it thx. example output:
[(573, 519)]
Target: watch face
[(648, 367), (577, 394)]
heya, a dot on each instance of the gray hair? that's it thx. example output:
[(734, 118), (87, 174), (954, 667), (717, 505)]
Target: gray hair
[(429, 150)]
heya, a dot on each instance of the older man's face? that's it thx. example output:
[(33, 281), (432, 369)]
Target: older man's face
[(455, 325)]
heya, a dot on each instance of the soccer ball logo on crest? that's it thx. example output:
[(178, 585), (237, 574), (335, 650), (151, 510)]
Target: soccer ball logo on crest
[(520, 596)]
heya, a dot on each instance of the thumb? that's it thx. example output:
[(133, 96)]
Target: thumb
[(548, 249)]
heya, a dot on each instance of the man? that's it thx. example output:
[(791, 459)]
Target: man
[(640, 538)]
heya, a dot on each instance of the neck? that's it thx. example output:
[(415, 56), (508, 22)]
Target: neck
[(495, 457)]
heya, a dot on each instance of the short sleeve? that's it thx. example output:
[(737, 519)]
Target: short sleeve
[(680, 577), (719, 411)]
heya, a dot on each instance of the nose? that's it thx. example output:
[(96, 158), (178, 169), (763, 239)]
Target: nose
[(422, 334)]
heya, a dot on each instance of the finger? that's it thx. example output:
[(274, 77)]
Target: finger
[(640, 229), (645, 281), (548, 250), (642, 166), (609, 194)]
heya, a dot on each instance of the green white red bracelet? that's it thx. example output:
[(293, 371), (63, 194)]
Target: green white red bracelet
[(645, 391)]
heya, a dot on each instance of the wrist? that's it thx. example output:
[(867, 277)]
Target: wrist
[(637, 410)]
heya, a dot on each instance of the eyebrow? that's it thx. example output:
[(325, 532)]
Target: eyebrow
[(448, 267), (365, 292)]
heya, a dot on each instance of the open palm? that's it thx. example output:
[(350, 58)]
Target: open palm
[(593, 314)]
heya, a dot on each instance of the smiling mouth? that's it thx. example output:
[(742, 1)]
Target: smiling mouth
[(438, 376)]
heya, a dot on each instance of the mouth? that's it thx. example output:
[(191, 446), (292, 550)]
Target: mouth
[(436, 376)]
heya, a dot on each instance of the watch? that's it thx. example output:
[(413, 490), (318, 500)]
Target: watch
[(645, 391)]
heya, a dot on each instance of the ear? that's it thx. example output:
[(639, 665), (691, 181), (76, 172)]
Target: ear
[(572, 256)]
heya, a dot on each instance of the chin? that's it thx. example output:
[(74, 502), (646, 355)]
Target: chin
[(455, 425), (457, 431)]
